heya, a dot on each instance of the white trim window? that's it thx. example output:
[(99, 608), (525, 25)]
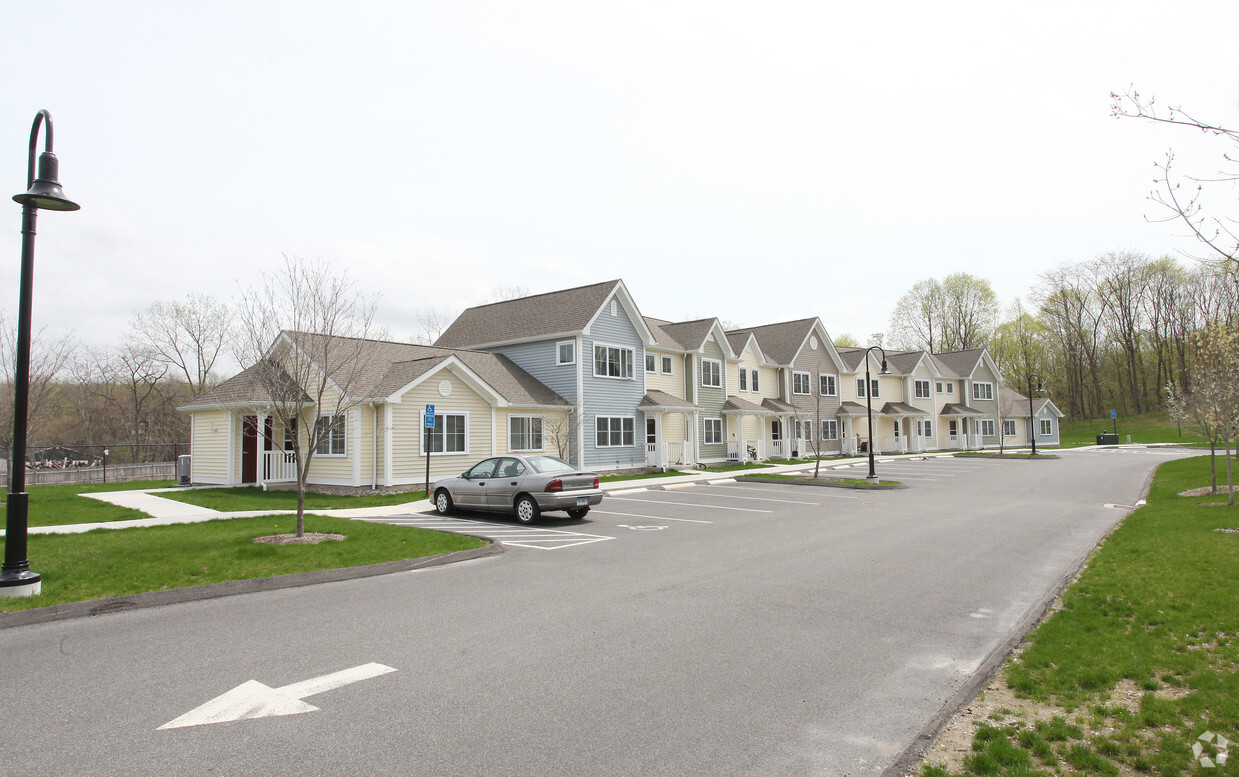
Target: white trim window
[(711, 373), (744, 379), (801, 384), (938, 386), (982, 390), (611, 361), (329, 434), (830, 430), (860, 387), (565, 352), (668, 364), (925, 427), (920, 389), (712, 431), (827, 385), (1008, 427), (953, 428), (1047, 427), (752, 379), (525, 433), (449, 435), (651, 363), (614, 431), (987, 427)]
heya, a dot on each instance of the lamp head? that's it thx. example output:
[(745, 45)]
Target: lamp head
[(45, 193), (884, 370)]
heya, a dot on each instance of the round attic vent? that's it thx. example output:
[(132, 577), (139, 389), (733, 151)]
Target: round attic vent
[(813, 343), (445, 388)]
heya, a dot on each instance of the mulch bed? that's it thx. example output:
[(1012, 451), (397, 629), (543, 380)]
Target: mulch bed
[(309, 538)]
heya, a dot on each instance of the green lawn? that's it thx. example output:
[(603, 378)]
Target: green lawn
[(733, 467), (643, 476), (819, 479), (1143, 428), (1156, 607), (236, 500), (61, 505), (120, 562)]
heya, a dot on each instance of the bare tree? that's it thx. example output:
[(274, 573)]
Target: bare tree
[(955, 314), (1212, 405), (432, 322), (916, 323), (1187, 204), (305, 332), (188, 336), (50, 356), (560, 431)]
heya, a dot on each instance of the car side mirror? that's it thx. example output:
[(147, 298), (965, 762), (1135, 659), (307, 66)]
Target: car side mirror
[(465, 475)]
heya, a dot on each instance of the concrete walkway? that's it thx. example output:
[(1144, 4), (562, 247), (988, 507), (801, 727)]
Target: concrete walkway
[(169, 511)]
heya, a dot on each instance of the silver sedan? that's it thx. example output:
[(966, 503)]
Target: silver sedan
[(525, 485)]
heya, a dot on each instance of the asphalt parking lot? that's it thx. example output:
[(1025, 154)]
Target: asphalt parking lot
[(713, 629)]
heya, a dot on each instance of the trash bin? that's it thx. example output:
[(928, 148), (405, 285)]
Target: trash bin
[(183, 469), (1107, 439)]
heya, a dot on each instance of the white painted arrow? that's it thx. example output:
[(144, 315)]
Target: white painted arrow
[(252, 699)]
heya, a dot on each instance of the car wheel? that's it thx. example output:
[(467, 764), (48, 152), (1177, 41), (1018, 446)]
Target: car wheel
[(443, 502), (578, 513), (527, 510)]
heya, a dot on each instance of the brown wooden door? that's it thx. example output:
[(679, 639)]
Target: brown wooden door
[(249, 449)]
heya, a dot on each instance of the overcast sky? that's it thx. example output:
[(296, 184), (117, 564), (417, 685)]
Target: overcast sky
[(753, 161)]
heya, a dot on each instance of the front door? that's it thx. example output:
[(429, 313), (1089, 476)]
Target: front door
[(651, 442), (249, 449)]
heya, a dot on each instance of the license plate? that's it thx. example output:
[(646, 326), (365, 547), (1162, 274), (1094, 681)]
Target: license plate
[(582, 501)]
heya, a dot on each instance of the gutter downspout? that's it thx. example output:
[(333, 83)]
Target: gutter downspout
[(374, 457)]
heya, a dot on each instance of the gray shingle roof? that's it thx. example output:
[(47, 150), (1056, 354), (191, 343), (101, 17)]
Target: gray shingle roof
[(655, 399), (955, 408), (958, 364), (736, 404), (526, 318), (246, 389), (778, 406), (689, 334), (779, 342), (900, 408), (855, 408)]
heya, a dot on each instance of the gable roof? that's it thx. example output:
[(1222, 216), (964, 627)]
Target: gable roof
[(245, 389), (779, 342), (562, 313), (385, 368)]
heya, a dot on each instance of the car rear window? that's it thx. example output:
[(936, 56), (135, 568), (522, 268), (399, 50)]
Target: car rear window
[(545, 464)]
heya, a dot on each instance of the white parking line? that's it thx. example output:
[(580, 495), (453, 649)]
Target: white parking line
[(757, 498), (692, 504), (828, 493), (651, 517)]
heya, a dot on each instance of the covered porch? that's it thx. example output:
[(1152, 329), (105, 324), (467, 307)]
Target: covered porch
[(668, 416), (961, 427), (905, 437)]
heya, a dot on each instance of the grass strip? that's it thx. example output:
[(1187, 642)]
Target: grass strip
[(121, 562), (826, 480), (236, 500), (733, 467), (1141, 659), (997, 455), (643, 476)]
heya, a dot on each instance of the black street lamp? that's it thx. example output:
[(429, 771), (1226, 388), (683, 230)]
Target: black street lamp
[(44, 192), (872, 478), (1032, 419)]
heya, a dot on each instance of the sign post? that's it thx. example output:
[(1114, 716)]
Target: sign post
[(1114, 416), (429, 424)]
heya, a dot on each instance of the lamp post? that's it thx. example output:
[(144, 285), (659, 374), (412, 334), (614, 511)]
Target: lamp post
[(872, 478), (1032, 419), (44, 192)]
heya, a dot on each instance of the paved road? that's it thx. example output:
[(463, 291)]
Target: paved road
[(730, 629)]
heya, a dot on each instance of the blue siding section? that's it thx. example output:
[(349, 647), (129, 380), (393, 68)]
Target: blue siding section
[(613, 397), (538, 359)]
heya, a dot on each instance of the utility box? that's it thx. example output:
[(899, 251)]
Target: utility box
[(1107, 439), (182, 470)]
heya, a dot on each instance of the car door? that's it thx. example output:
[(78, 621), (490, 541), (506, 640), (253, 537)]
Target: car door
[(471, 493), (502, 489)]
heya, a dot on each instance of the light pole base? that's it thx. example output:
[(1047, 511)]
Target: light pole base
[(21, 584), (871, 481)]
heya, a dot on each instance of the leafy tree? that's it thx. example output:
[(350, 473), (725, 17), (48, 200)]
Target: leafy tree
[(954, 314)]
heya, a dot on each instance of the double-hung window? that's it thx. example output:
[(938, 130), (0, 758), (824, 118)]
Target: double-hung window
[(744, 379), (827, 385), (713, 431), (860, 387), (612, 362), (1008, 428), (1047, 427), (525, 433), (921, 389), (448, 434), (667, 365), (752, 379), (711, 373), (982, 390), (830, 430), (987, 427), (329, 434), (800, 383), (614, 431), (651, 362), (565, 352)]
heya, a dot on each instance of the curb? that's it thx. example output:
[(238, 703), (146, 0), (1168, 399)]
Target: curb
[(70, 610), (857, 486)]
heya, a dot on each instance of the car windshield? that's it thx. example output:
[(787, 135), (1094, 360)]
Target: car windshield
[(547, 464)]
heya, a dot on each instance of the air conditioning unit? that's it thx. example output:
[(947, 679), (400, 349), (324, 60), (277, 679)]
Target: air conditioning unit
[(182, 470)]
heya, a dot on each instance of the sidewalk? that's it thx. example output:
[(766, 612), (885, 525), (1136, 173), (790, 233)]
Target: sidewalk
[(164, 512)]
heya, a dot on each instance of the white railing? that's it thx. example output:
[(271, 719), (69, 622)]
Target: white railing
[(892, 444), (651, 455), (279, 466), (675, 453), (975, 442), (779, 449), (755, 449), (734, 453)]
